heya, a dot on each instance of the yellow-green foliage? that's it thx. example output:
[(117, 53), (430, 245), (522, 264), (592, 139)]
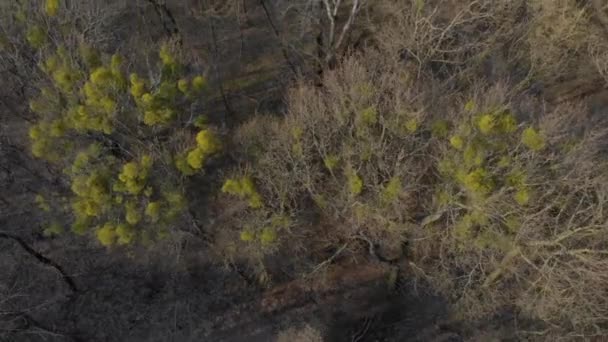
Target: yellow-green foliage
[(199, 83), (516, 178), (247, 236), (494, 240), (200, 122), (92, 194), (474, 154), (508, 123), (392, 190), (138, 86), (368, 116), (166, 56), (84, 158), (208, 141), (42, 141), (80, 226), (354, 182), (110, 234), (51, 7), (102, 77), (183, 85), (331, 162), (484, 162), (411, 125), (244, 189), (116, 64), (57, 128), (522, 196), (513, 223), (36, 36), (486, 123), (268, 236), (154, 117), (181, 163), (195, 158), (207, 144), (132, 213), (153, 211), (174, 204), (148, 191), (88, 97), (98, 99), (106, 234), (134, 175), (280, 221), (364, 121), (297, 132), (457, 142), (297, 148), (443, 198), (20, 15), (532, 139), (53, 229), (89, 55), (497, 122), (478, 181), (42, 203), (504, 162), (320, 201), (156, 105), (469, 106), (125, 233), (64, 77), (465, 228), (51, 64), (264, 233), (440, 128)]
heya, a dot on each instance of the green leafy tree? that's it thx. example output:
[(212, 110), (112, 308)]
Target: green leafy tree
[(125, 135)]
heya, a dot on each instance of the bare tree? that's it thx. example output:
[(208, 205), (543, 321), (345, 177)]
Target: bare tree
[(336, 34)]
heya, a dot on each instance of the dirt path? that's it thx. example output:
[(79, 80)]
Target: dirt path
[(348, 302)]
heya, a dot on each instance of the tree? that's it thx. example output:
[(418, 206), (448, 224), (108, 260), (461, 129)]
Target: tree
[(123, 134), (499, 196)]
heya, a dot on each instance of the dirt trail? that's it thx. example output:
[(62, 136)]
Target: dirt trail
[(348, 302)]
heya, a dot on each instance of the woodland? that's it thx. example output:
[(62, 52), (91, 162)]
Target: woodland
[(303, 170)]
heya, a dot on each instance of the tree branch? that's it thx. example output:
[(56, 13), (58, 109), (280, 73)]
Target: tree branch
[(278, 35), (349, 22)]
